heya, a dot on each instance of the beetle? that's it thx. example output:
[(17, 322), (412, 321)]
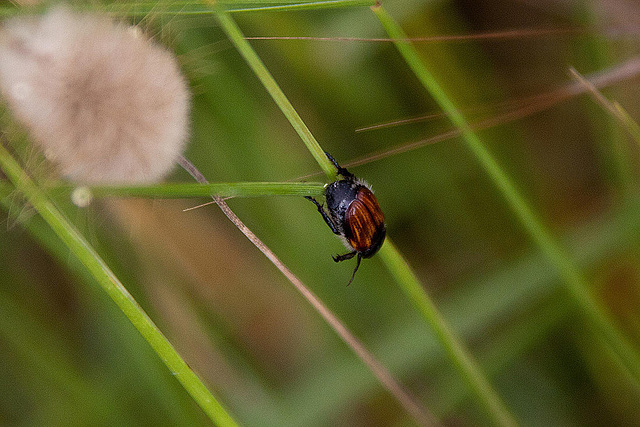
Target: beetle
[(353, 213)]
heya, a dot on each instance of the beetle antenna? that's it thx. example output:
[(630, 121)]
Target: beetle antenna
[(356, 269)]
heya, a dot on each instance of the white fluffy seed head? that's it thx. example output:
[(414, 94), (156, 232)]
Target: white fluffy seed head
[(103, 102), (81, 196)]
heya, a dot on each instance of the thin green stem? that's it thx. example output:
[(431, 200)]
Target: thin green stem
[(237, 38), (574, 282), (331, 4), (85, 253), (461, 358), (185, 190), (404, 274)]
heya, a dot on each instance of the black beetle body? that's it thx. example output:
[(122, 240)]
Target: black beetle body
[(353, 213)]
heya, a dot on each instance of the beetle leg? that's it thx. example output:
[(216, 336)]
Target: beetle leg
[(324, 214), (355, 269), (341, 171), (344, 257)]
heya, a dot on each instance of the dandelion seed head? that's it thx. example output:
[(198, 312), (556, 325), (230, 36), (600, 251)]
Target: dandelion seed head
[(102, 101)]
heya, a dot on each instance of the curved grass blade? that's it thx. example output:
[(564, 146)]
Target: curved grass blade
[(81, 248)]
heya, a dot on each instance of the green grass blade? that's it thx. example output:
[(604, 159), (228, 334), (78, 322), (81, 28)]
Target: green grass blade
[(186, 190), (454, 348), (572, 278), (395, 261), (480, 303), (79, 246), (237, 38)]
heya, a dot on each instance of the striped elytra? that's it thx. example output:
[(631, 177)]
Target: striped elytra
[(364, 220)]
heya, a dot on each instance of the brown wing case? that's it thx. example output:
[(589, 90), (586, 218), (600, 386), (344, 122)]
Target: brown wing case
[(365, 221)]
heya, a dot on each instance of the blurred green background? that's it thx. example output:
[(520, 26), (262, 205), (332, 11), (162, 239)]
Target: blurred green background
[(69, 356)]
